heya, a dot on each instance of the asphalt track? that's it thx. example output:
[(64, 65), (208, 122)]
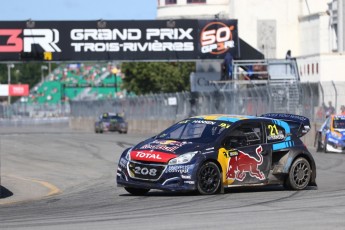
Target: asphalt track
[(63, 179)]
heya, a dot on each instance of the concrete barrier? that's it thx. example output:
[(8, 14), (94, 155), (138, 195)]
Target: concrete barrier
[(134, 126)]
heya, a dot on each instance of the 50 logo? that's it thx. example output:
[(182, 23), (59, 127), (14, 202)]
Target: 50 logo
[(22, 40), (217, 38)]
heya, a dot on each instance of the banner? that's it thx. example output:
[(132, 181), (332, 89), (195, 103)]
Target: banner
[(14, 90), (160, 40)]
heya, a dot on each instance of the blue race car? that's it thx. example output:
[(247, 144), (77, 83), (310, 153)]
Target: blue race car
[(212, 152), (331, 136)]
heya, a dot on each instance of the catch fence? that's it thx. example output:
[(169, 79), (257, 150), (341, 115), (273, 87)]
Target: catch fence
[(310, 99)]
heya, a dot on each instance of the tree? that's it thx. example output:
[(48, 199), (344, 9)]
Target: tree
[(157, 77), (23, 73)]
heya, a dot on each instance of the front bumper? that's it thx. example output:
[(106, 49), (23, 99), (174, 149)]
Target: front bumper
[(334, 145), (172, 178)]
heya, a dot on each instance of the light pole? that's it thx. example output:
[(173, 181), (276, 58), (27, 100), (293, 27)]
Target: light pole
[(43, 67), (9, 67)]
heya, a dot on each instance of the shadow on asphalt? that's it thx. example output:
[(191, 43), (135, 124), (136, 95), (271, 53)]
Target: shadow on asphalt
[(4, 192), (255, 189)]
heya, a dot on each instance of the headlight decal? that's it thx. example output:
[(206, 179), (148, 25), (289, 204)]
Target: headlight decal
[(183, 159)]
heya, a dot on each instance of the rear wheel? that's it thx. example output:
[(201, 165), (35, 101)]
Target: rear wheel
[(299, 174), (137, 191), (209, 179)]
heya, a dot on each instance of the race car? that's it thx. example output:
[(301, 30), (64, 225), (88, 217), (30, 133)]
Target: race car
[(331, 136), (212, 152), (111, 122)]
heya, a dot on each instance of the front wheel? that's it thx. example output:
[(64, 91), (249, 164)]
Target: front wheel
[(325, 146), (299, 174), (209, 179), (318, 143), (137, 191)]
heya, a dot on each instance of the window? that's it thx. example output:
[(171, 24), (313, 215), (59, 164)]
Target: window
[(170, 2), (195, 1), (244, 135), (274, 133)]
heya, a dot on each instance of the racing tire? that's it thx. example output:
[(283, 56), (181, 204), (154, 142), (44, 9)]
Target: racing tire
[(325, 150), (318, 144), (137, 191), (299, 175), (208, 179)]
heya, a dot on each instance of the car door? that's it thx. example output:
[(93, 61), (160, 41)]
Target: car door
[(249, 157)]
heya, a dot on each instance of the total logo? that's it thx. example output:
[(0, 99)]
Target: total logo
[(216, 38), (22, 40)]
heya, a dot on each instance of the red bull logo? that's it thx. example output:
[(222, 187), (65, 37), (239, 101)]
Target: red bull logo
[(242, 164)]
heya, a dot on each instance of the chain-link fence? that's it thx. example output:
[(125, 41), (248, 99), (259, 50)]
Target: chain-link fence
[(308, 99)]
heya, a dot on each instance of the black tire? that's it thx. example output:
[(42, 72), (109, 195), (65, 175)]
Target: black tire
[(137, 191), (325, 147), (299, 174), (208, 179), (318, 143)]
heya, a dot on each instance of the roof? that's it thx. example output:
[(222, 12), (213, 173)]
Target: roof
[(339, 116), (224, 117)]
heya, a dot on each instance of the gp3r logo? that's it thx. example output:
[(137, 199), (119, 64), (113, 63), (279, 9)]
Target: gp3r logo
[(216, 38), (22, 40)]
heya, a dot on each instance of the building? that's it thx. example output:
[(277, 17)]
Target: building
[(313, 31)]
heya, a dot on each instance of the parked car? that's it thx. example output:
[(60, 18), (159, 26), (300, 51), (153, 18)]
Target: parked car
[(331, 135), (212, 152), (111, 122)]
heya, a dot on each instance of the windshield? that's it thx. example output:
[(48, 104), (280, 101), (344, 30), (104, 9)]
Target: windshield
[(339, 123), (113, 118), (196, 129)]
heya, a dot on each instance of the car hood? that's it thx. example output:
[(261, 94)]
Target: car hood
[(158, 150)]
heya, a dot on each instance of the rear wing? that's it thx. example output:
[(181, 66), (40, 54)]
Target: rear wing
[(299, 125)]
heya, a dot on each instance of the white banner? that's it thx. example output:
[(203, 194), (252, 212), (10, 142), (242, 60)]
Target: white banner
[(4, 89)]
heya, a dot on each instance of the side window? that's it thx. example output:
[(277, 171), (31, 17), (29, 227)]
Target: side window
[(245, 135), (274, 132), (328, 124)]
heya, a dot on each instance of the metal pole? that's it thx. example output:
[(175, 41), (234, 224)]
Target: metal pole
[(9, 66)]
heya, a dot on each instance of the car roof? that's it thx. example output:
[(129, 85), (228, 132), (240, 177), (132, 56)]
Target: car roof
[(225, 117), (340, 117)]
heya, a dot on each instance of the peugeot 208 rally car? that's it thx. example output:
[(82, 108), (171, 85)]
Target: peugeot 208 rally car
[(209, 153)]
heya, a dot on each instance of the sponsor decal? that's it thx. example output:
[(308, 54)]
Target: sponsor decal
[(242, 164), (22, 40), (179, 168), (123, 162), (186, 177), (166, 145), (189, 182), (217, 38), (204, 122), (151, 156)]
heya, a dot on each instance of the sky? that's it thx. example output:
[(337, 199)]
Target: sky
[(45, 10)]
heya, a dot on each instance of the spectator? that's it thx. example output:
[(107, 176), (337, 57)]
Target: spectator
[(227, 67), (329, 110), (342, 109)]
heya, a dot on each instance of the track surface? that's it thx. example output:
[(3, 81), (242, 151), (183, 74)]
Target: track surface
[(83, 167)]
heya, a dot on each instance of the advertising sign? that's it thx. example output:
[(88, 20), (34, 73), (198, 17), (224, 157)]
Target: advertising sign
[(19, 90), (14, 90), (117, 40)]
